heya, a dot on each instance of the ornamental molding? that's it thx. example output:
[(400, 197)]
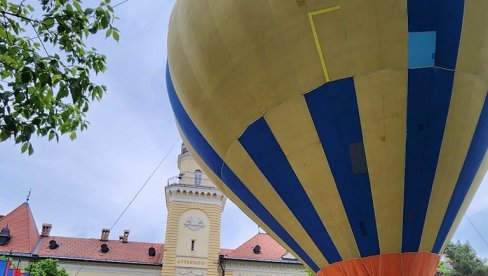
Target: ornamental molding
[(288, 256), (183, 271), (271, 268), (194, 223)]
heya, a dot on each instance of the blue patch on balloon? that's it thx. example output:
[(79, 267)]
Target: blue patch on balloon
[(421, 49)]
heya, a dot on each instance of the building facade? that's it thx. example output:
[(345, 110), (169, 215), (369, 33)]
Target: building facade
[(195, 208), (191, 248)]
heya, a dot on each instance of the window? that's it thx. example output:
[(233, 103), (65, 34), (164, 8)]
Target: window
[(198, 177)]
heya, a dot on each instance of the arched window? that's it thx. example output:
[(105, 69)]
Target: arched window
[(198, 177)]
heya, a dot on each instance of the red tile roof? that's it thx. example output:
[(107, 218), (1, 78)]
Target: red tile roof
[(89, 249), (26, 241), (270, 250), (225, 251), (23, 231)]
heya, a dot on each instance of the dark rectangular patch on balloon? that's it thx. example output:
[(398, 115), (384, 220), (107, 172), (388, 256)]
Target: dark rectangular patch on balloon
[(358, 158), (300, 3)]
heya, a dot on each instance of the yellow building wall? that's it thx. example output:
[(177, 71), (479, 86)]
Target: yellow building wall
[(105, 269), (253, 268)]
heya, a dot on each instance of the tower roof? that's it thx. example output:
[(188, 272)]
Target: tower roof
[(23, 231)]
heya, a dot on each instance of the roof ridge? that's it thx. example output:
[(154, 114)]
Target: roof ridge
[(110, 240), (32, 227)]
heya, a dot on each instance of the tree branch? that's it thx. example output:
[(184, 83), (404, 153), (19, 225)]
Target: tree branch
[(20, 16)]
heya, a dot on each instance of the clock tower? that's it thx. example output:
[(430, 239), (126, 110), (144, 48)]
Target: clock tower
[(195, 208)]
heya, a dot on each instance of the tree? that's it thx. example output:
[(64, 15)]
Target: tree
[(464, 260), (47, 267), (46, 68)]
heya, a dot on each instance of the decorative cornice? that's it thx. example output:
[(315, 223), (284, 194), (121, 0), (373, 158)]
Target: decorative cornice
[(196, 194)]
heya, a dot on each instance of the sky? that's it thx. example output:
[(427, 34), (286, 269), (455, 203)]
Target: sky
[(83, 186)]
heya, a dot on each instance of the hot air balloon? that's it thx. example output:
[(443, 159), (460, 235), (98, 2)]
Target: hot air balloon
[(355, 132)]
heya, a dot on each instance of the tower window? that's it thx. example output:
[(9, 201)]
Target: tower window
[(192, 245), (198, 177)]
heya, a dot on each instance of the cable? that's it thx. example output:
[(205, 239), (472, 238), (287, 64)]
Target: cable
[(144, 185), (479, 213), (477, 231), (120, 3)]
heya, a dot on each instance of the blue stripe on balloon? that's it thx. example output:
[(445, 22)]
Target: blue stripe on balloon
[(422, 15), (429, 95), (449, 33), (334, 111), (235, 184), (476, 153), (444, 17), (262, 146), (217, 165), (4, 266)]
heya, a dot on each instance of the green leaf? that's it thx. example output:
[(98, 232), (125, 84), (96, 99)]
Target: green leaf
[(19, 97), (48, 22), (56, 78), (104, 21), (72, 136), (26, 76), (51, 135), (115, 35), (89, 11), (24, 147), (31, 149), (63, 92), (77, 6)]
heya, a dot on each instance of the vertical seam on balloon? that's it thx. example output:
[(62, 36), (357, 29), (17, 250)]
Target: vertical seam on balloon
[(316, 36)]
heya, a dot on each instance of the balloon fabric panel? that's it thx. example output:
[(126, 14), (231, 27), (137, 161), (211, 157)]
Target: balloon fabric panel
[(472, 164), (335, 113), (429, 94), (263, 148)]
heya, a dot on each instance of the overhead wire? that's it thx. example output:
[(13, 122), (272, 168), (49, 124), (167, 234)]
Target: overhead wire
[(120, 3), (144, 185), (477, 231)]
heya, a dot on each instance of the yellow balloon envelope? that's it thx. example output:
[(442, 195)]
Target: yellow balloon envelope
[(355, 132)]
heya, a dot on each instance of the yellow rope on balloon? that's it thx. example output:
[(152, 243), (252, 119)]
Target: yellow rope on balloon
[(316, 37)]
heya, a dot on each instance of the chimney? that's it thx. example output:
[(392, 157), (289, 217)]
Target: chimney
[(105, 234), (125, 237), (46, 229)]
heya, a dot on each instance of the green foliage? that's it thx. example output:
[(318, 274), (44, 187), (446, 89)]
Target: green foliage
[(4, 258), (464, 260), (45, 67), (442, 267), (47, 267)]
